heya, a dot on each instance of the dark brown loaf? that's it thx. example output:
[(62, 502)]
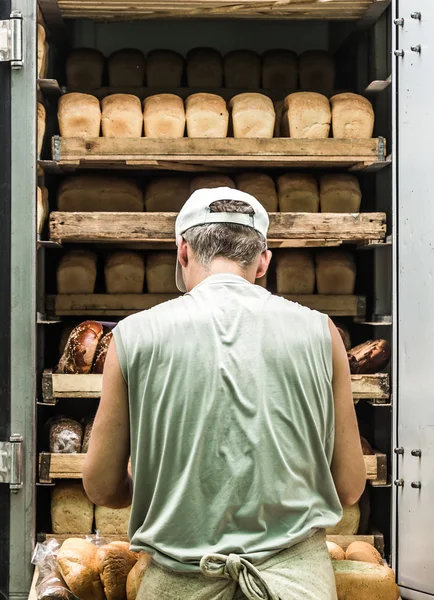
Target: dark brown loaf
[(53, 587), (101, 353), (370, 357), (86, 435), (80, 348), (65, 436)]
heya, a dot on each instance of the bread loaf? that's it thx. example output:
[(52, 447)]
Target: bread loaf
[(306, 115), (41, 208), (135, 576), (295, 272), (164, 116), (370, 357), (335, 551), (362, 551), (252, 116), (317, 71), (65, 436), (65, 333), (345, 335), (160, 273), (335, 272), (41, 49), (76, 272), (242, 70), (349, 524), (89, 193), (84, 69), (77, 562), (352, 117), (167, 194), (204, 68), (79, 116), (339, 193), (164, 69), (43, 73), (210, 181), (298, 192), (41, 128), (280, 70), (124, 273), (207, 116), (80, 348), (278, 109), (121, 116), (111, 521), (114, 564), (366, 447), (101, 353), (87, 432), (53, 587), (364, 581), (126, 68), (261, 187), (71, 510)]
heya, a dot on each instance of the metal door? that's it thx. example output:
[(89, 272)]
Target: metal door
[(414, 78)]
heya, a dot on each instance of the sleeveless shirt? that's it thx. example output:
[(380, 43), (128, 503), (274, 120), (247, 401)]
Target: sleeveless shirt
[(231, 423)]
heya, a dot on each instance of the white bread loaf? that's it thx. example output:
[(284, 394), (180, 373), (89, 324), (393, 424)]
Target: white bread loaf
[(349, 524), (164, 68), (363, 552), (298, 192), (364, 581), (71, 509), (76, 272), (242, 70), (135, 576), (207, 116), (317, 71), (352, 117), (335, 272), (210, 181), (278, 109), (112, 521), (114, 563), (41, 127), (84, 69), (261, 187), (280, 69), (124, 273), (126, 68), (41, 49), (121, 116), (167, 194), (77, 563), (99, 193), (204, 68), (160, 273), (295, 272), (252, 116), (164, 116), (306, 115), (339, 193), (41, 208), (335, 551), (79, 116)]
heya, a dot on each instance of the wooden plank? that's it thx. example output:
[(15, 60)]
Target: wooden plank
[(70, 466), (122, 305), (87, 227), (33, 594)]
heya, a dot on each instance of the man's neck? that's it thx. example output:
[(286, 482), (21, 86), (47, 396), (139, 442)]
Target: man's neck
[(219, 266)]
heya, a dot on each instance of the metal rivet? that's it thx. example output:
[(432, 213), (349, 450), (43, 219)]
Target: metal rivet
[(399, 53), (416, 15), (399, 482), (399, 450), (416, 485), (417, 453), (416, 48), (399, 22)]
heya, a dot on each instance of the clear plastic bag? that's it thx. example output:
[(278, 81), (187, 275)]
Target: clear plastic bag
[(50, 584)]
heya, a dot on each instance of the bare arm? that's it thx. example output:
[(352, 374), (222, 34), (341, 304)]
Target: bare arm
[(106, 477), (348, 466)]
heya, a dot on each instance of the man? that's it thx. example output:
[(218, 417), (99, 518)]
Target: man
[(236, 408)]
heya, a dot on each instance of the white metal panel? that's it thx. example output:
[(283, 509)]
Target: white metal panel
[(416, 297)]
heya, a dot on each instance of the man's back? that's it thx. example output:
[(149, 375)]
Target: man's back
[(231, 412)]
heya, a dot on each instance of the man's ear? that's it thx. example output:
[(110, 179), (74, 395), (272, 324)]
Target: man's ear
[(264, 262), (182, 251)]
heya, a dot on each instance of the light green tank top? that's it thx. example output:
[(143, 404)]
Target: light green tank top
[(232, 423)]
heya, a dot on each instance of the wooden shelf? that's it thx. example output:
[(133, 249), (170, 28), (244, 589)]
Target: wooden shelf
[(117, 10), (192, 154), (56, 386), (287, 230), (122, 305), (70, 466)]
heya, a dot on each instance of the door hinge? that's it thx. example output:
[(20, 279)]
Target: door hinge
[(11, 40), (11, 464)]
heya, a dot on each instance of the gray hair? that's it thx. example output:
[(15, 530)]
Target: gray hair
[(235, 242)]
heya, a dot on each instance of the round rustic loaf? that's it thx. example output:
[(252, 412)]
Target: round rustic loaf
[(77, 562), (363, 551), (65, 436), (335, 551)]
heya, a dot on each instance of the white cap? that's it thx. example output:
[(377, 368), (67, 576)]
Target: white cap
[(196, 211)]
